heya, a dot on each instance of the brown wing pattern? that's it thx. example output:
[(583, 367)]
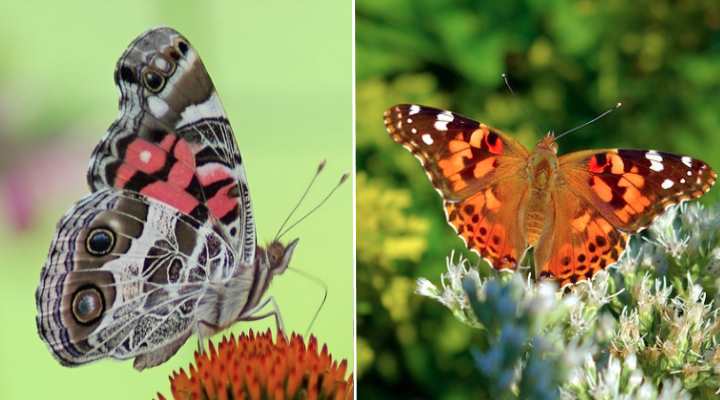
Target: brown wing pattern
[(461, 156), (478, 171), (601, 196), (631, 187)]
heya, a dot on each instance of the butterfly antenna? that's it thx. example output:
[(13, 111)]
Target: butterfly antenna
[(320, 167), (343, 178), (507, 83), (618, 105), (324, 287)]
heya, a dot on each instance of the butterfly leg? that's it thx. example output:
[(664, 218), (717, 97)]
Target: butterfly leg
[(205, 326), (253, 316)]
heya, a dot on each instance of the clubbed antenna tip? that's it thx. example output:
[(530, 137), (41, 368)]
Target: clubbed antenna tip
[(344, 177), (321, 166)]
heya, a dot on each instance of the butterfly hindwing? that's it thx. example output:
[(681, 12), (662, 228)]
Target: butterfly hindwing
[(578, 241), (489, 222), (173, 141), (124, 277), (460, 156)]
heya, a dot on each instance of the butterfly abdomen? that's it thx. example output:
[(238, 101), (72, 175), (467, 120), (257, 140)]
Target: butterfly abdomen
[(541, 174)]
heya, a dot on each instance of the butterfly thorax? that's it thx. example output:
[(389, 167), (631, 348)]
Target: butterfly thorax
[(541, 171)]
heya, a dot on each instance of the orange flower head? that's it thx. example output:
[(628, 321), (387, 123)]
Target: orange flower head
[(254, 367)]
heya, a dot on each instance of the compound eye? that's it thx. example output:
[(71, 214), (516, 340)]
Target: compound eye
[(100, 242), (87, 306), (154, 82)]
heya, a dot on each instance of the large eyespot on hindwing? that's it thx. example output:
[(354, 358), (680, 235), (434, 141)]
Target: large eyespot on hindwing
[(88, 305), (100, 242), (153, 81)]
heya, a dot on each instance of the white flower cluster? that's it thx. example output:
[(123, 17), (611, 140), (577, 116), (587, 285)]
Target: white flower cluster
[(647, 330)]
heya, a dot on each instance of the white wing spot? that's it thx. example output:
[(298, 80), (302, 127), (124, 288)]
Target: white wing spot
[(689, 173), (210, 108), (667, 184), (656, 166), (145, 156), (399, 124), (414, 109), (443, 119), (409, 120), (161, 64), (158, 107), (682, 180), (655, 160), (427, 139), (653, 155), (413, 130), (687, 161)]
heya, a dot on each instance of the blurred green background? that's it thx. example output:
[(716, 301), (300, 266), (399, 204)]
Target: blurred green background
[(283, 71), (567, 62)]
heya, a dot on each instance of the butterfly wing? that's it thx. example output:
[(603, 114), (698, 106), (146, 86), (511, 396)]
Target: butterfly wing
[(577, 242), (172, 140), (478, 170), (631, 187), (601, 195), (124, 277)]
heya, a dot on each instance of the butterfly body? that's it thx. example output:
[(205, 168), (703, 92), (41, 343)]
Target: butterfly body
[(575, 210), (165, 244)]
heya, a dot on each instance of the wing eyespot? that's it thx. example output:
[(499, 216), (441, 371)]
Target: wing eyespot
[(153, 81), (100, 242), (182, 47), (88, 305)]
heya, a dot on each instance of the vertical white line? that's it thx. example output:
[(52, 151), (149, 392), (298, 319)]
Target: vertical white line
[(354, 200)]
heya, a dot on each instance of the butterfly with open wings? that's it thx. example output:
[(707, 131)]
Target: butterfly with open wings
[(575, 210), (165, 245)]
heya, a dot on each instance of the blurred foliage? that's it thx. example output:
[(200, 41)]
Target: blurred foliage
[(567, 61)]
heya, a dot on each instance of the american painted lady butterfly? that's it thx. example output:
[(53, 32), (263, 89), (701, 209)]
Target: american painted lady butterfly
[(165, 245), (575, 210)]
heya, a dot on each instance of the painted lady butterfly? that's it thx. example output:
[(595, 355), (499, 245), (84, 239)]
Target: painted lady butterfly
[(165, 245), (575, 210)]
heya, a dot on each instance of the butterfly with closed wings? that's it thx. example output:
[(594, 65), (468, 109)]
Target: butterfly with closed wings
[(575, 210), (165, 245)]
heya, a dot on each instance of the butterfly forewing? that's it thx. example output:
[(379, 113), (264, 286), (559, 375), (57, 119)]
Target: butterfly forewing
[(459, 155), (631, 187), (173, 141)]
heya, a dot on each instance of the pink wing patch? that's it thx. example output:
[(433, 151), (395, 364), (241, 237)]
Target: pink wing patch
[(145, 159)]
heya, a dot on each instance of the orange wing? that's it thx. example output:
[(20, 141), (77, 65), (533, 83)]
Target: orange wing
[(577, 242), (631, 187), (601, 195), (478, 170)]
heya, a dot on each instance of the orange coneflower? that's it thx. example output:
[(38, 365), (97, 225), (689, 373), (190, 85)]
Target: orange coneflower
[(254, 367)]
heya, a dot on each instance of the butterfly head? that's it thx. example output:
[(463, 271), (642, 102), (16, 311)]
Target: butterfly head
[(276, 256), (543, 161), (548, 143)]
